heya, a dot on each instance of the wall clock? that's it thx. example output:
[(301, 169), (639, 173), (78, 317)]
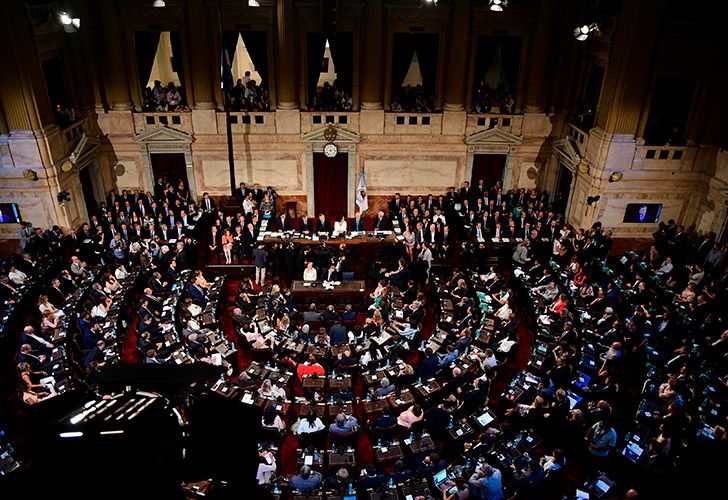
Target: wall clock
[(330, 150)]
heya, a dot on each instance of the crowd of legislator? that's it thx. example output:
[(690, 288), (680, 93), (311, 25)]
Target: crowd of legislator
[(646, 324)]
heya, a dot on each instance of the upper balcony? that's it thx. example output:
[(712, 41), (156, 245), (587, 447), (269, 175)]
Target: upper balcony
[(513, 124)]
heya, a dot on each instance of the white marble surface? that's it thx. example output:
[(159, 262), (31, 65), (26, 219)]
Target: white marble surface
[(410, 175)]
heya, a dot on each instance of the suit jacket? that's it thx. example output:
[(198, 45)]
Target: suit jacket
[(357, 226), (284, 225), (197, 295), (323, 226), (56, 297), (331, 276), (304, 224), (382, 224), (208, 205)]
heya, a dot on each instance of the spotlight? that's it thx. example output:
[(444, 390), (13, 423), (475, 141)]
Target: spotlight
[(65, 18), (498, 5), (581, 33), (431, 1), (159, 3), (70, 24), (253, 3)]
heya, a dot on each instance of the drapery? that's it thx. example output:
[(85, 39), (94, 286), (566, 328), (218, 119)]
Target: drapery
[(403, 49), (145, 48), (256, 42), (315, 55), (330, 185), (341, 46), (177, 65), (427, 47)]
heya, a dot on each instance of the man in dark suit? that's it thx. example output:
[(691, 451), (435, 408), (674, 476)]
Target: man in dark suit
[(37, 343), (155, 304), (241, 192), (197, 294), (358, 222), (283, 223), (395, 204), (381, 223), (37, 362), (304, 225), (56, 295), (208, 204), (331, 274), (322, 224)]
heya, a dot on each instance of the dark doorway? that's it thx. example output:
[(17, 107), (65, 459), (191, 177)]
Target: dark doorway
[(87, 188), (563, 189), (170, 166), (330, 184), (489, 168)]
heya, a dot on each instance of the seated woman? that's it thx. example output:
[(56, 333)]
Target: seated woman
[(191, 307), (49, 324), (270, 390), (120, 273), (110, 284), (410, 416), (339, 227), (559, 304), (101, 308), (32, 393), (200, 280), (271, 420), (687, 296), (44, 305), (308, 424), (310, 274)]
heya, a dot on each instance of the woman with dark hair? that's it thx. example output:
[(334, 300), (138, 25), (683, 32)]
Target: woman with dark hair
[(309, 424), (271, 420)]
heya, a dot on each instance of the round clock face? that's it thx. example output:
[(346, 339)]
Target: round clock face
[(330, 150)]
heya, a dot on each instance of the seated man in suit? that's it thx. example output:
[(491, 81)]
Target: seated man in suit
[(338, 334), (331, 274), (283, 223), (344, 424), (322, 224), (304, 225), (358, 222), (312, 314), (197, 294), (306, 479), (154, 303), (38, 343), (37, 362), (382, 223), (349, 314), (95, 354)]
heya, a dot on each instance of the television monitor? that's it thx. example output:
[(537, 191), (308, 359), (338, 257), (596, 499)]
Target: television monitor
[(642, 213), (10, 213)]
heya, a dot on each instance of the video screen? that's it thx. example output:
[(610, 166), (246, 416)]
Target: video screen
[(642, 213), (9, 213)]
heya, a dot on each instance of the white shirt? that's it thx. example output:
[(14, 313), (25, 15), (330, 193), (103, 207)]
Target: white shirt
[(339, 228), (309, 274), (18, 277), (304, 427)]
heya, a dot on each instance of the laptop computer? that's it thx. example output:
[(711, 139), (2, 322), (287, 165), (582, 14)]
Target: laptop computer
[(440, 478)]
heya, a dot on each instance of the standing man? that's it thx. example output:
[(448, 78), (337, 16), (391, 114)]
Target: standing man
[(260, 258)]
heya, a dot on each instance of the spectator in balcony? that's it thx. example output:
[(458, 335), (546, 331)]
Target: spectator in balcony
[(173, 97), (149, 103)]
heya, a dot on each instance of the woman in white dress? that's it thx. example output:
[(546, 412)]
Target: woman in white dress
[(44, 305), (339, 227), (309, 274)]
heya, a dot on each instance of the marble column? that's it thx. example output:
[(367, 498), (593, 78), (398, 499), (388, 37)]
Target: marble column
[(372, 74), (23, 92), (627, 78), (457, 53), (536, 90), (4, 130), (287, 49), (116, 77), (200, 58)]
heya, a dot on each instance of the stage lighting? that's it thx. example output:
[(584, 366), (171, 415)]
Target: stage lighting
[(581, 33), (253, 3), (498, 5), (159, 3), (70, 24)]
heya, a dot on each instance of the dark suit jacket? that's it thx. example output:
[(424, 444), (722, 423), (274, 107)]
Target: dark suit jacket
[(323, 226), (284, 226), (382, 224), (359, 226)]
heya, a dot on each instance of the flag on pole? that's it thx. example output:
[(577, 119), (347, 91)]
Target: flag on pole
[(361, 193)]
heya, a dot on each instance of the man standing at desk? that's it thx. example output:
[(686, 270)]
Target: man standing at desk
[(260, 258)]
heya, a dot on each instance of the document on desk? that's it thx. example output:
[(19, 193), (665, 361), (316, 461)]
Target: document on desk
[(308, 460), (247, 398)]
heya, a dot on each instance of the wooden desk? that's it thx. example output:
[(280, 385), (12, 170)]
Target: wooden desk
[(340, 381), (346, 292), (315, 383), (355, 240), (376, 377), (461, 430), (428, 389), (385, 495), (421, 445), (317, 459), (401, 401), (344, 459), (421, 489), (375, 406), (388, 453)]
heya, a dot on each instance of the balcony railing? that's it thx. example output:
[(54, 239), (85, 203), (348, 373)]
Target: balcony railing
[(147, 121), (579, 137), (664, 157), (317, 119), (513, 124), (248, 123), (71, 135), (413, 123)]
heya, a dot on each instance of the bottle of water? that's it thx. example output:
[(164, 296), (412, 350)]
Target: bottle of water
[(276, 490), (379, 443), (331, 400), (391, 483), (351, 488), (412, 436), (451, 423)]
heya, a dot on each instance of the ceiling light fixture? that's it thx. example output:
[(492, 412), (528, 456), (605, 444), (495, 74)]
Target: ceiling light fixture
[(581, 33), (70, 24), (498, 5), (159, 3), (253, 3)]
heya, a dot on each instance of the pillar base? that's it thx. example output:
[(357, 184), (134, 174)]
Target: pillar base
[(287, 105), (205, 105), (122, 106), (453, 107), (371, 106), (531, 108)]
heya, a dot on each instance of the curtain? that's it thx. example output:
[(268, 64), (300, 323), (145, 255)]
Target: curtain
[(427, 52), (257, 44), (341, 46), (227, 53), (314, 57), (145, 48), (403, 49), (330, 185), (177, 65)]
